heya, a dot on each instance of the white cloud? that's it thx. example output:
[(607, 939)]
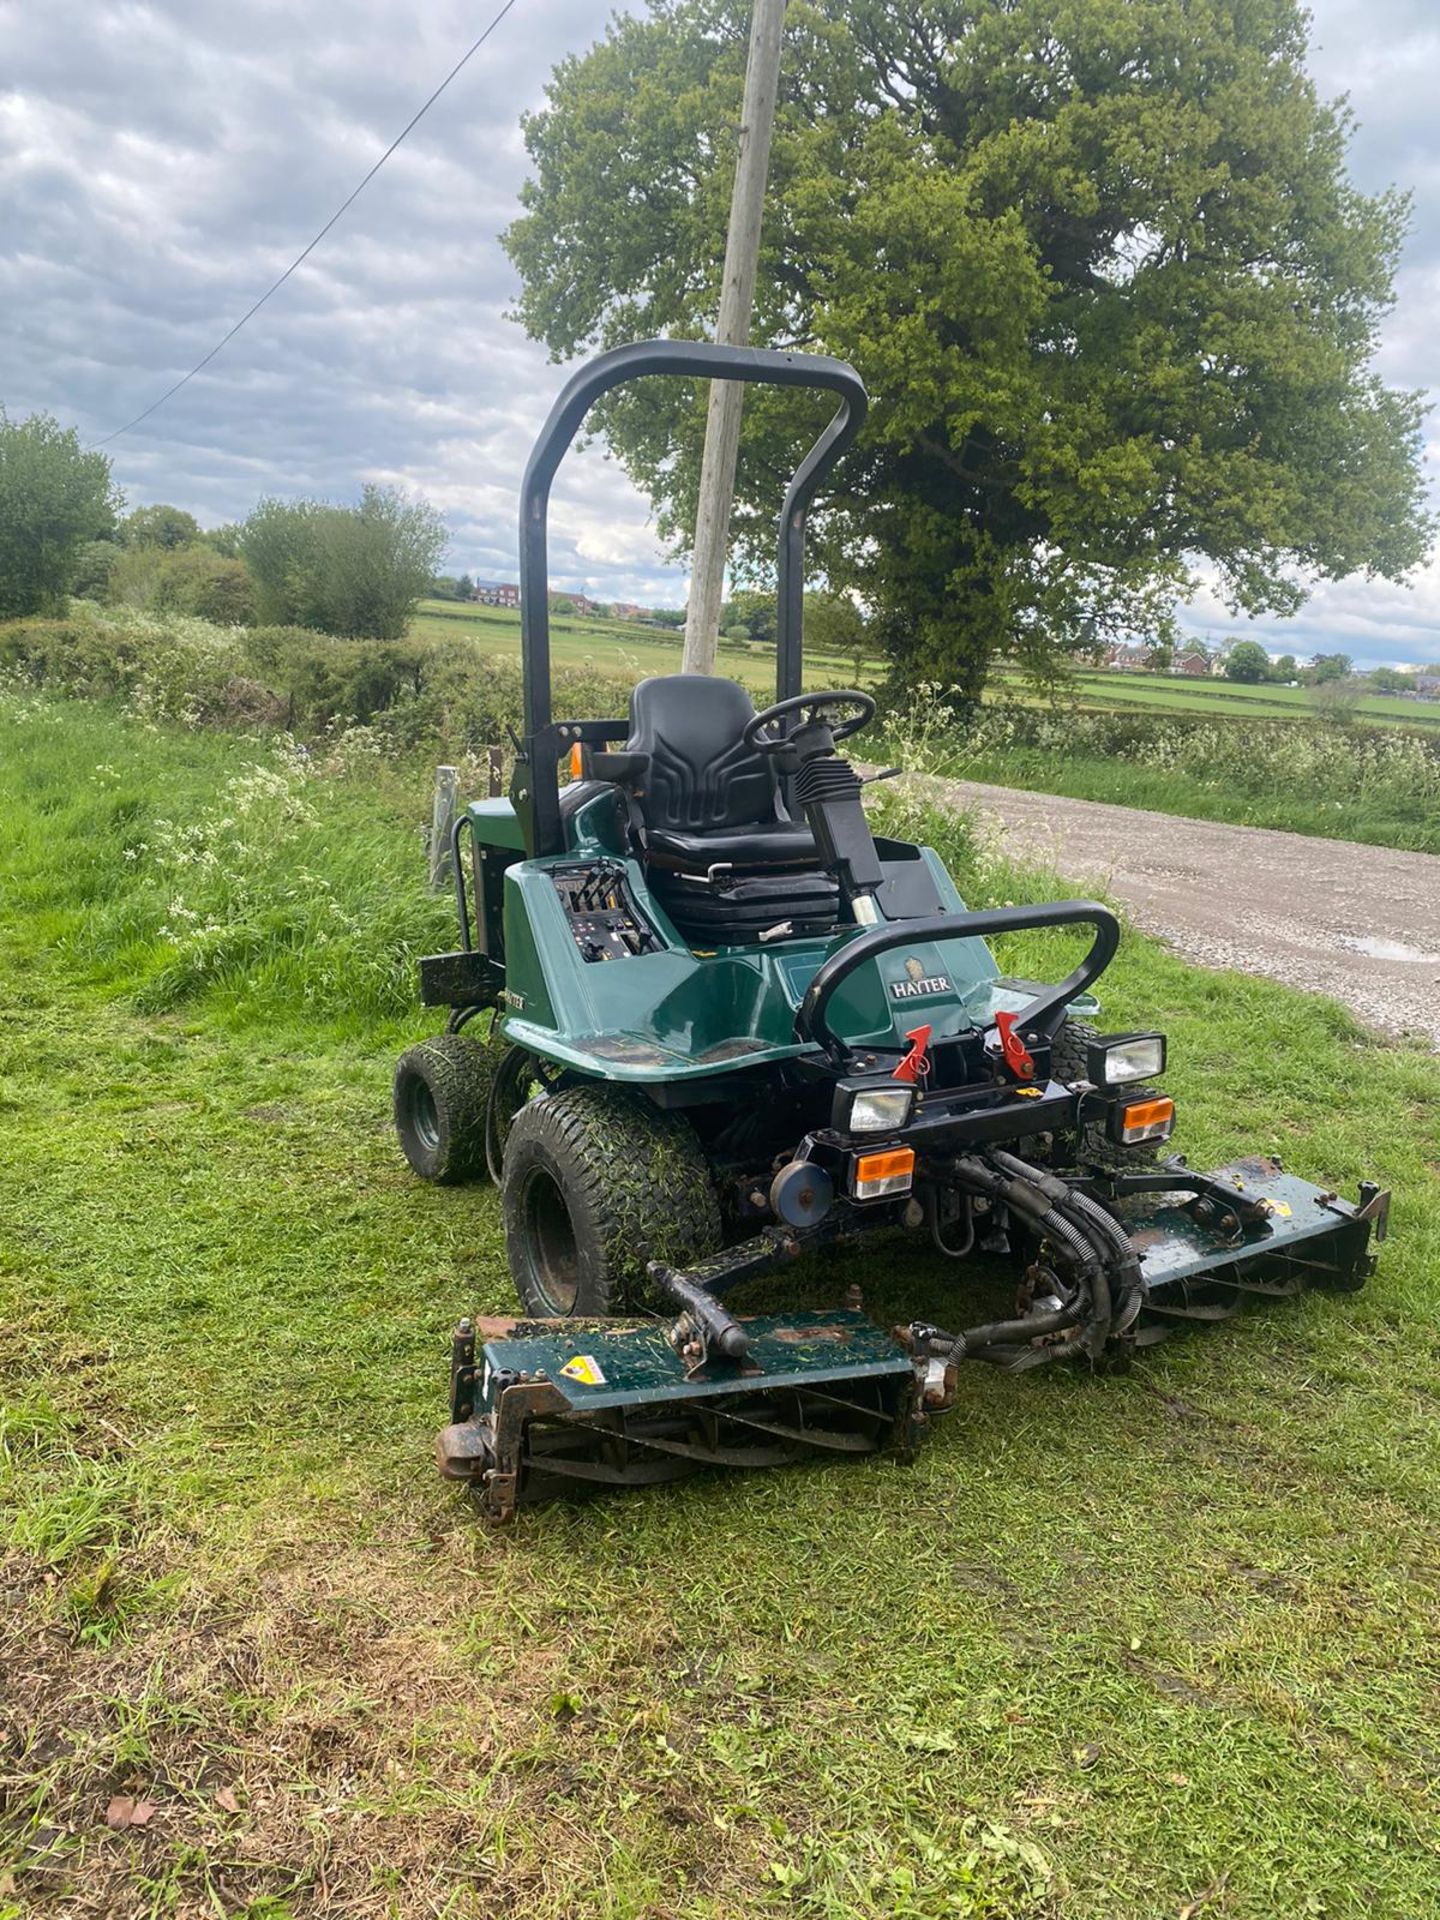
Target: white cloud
[(162, 160)]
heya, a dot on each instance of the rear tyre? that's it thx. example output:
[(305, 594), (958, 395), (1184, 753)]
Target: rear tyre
[(1092, 1146), (441, 1096), (596, 1183)]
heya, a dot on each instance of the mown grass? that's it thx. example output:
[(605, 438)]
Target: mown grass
[(1222, 698), (626, 649), (1110, 1650)]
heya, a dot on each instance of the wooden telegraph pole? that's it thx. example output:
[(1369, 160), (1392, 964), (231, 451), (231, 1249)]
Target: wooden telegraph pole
[(737, 296)]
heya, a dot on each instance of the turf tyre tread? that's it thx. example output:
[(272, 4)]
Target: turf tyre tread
[(635, 1183), (457, 1072)]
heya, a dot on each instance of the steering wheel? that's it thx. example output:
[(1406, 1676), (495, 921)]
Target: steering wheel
[(810, 703)]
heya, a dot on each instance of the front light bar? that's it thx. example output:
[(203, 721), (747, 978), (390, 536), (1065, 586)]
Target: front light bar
[(1120, 1059), (872, 1107)]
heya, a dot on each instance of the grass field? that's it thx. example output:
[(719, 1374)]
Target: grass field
[(1220, 699), (1130, 739), (626, 646), (623, 647), (1151, 1648)]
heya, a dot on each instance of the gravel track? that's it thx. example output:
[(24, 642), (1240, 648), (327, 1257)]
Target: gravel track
[(1359, 923)]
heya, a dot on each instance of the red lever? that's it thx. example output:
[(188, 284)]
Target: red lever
[(916, 1063), (1017, 1054)]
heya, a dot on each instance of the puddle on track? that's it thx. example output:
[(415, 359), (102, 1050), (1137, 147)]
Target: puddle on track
[(1374, 948)]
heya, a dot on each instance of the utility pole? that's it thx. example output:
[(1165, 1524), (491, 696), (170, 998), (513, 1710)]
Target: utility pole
[(737, 296)]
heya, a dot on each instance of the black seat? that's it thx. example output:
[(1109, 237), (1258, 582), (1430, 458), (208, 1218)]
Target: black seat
[(724, 861), (708, 799)]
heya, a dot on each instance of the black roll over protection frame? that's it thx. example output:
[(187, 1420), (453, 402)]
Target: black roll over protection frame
[(536, 790), (1039, 1019)]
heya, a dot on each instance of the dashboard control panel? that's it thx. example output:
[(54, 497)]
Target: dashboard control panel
[(604, 920)]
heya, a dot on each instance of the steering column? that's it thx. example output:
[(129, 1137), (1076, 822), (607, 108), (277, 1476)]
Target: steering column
[(825, 786)]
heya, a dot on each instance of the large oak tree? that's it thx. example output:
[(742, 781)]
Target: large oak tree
[(1099, 261)]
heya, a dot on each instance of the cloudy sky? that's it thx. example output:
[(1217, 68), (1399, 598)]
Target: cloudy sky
[(161, 162)]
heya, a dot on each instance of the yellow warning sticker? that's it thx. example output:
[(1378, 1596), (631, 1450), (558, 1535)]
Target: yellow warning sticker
[(584, 1368)]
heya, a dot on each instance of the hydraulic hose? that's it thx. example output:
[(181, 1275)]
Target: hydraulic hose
[(1047, 1200), (1002, 1333), (1079, 1206), (1132, 1285), (1025, 1197)]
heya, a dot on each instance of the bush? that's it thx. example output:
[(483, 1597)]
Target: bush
[(167, 528), (1386, 773), (164, 667), (446, 695), (55, 500), (194, 580), (94, 564), (343, 570)]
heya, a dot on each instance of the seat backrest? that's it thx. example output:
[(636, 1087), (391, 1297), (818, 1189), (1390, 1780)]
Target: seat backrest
[(701, 774)]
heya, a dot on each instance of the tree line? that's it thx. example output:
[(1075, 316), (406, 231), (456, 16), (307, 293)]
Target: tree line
[(357, 571)]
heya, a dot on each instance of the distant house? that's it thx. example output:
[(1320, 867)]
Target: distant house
[(627, 610), (1128, 659), (496, 593), (1197, 665), (578, 602), (1428, 684)]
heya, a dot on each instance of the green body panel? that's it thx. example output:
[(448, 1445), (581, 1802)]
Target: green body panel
[(685, 1014), (637, 1364), (496, 824)]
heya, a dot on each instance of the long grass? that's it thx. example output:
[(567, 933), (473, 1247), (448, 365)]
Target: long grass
[(1372, 784), (1124, 1649)]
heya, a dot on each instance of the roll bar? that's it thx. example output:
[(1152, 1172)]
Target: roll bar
[(1042, 1015), (537, 797)]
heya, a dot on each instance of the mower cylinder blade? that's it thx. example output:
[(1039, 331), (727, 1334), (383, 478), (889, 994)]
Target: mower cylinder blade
[(1303, 1236), (613, 1404)]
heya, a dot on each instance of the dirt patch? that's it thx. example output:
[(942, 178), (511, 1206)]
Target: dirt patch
[(322, 1743)]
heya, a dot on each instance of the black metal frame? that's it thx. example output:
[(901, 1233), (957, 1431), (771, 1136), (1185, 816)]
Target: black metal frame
[(1040, 1019), (536, 788)]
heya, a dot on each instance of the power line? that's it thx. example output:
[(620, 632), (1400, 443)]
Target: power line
[(300, 259)]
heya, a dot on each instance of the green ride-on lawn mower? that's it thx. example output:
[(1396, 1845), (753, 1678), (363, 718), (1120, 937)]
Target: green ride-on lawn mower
[(732, 1026)]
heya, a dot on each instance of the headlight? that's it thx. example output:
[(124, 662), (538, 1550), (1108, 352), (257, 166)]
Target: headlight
[(1117, 1059), (873, 1109)]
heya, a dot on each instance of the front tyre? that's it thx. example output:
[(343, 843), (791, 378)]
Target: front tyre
[(441, 1097), (596, 1183)]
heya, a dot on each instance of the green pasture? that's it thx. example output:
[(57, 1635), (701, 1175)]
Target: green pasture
[(1223, 699), (626, 648)]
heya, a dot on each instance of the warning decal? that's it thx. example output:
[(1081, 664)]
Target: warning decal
[(584, 1368)]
